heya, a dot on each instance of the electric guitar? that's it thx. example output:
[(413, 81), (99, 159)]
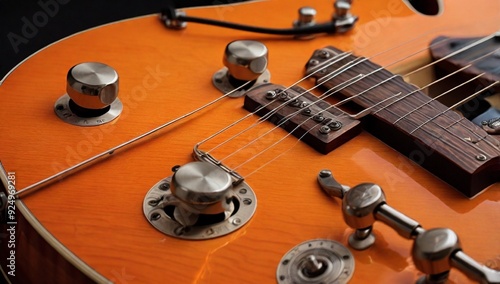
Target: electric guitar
[(123, 216)]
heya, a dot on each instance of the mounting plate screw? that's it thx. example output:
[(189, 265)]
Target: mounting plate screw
[(164, 186), (481, 157), (325, 173)]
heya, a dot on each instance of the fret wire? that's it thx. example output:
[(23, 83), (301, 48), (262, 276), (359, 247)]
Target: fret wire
[(437, 97), (446, 129), (454, 106)]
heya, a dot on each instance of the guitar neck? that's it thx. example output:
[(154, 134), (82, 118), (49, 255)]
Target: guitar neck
[(418, 126)]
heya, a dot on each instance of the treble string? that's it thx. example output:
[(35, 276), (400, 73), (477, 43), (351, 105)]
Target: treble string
[(331, 75), (329, 62), (455, 105), (274, 144), (481, 138), (437, 97), (302, 136)]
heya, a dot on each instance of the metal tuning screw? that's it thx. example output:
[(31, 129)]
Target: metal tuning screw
[(434, 251), (306, 19), (245, 64), (92, 95), (342, 17)]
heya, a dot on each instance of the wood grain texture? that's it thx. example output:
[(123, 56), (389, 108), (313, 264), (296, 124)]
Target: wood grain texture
[(418, 126), (97, 212)]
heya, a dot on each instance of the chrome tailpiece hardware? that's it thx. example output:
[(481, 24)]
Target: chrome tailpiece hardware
[(434, 251), (199, 201), (316, 261)]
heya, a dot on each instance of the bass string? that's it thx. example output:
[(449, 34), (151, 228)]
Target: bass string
[(493, 144), (436, 81), (343, 55), (476, 43), (283, 121), (325, 78), (299, 139), (297, 127), (72, 169), (455, 105)]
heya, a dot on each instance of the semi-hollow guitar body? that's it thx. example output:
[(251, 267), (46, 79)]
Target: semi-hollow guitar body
[(89, 226)]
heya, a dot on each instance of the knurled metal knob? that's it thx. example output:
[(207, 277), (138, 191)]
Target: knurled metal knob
[(92, 85), (246, 60)]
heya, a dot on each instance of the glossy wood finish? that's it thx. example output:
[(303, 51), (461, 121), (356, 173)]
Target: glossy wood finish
[(97, 213)]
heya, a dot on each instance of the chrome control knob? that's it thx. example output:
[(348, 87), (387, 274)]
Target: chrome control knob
[(92, 95), (202, 189), (245, 64), (92, 85), (201, 183), (246, 60)]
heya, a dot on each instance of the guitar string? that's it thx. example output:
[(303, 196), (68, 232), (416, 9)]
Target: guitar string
[(253, 141), (284, 120), (302, 136), (298, 126), (109, 152), (482, 40), (261, 120), (40, 184), (342, 55), (437, 97), (480, 138), (319, 99), (455, 105)]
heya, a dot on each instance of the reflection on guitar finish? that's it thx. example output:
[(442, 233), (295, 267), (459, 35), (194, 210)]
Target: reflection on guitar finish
[(377, 112)]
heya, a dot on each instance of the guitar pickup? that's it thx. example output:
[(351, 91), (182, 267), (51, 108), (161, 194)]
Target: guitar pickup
[(319, 124)]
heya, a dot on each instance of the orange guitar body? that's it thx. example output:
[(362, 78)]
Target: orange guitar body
[(96, 213)]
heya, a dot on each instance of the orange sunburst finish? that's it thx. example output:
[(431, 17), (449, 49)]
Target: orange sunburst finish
[(97, 212)]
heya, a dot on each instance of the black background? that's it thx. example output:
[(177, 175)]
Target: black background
[(63, 18)]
